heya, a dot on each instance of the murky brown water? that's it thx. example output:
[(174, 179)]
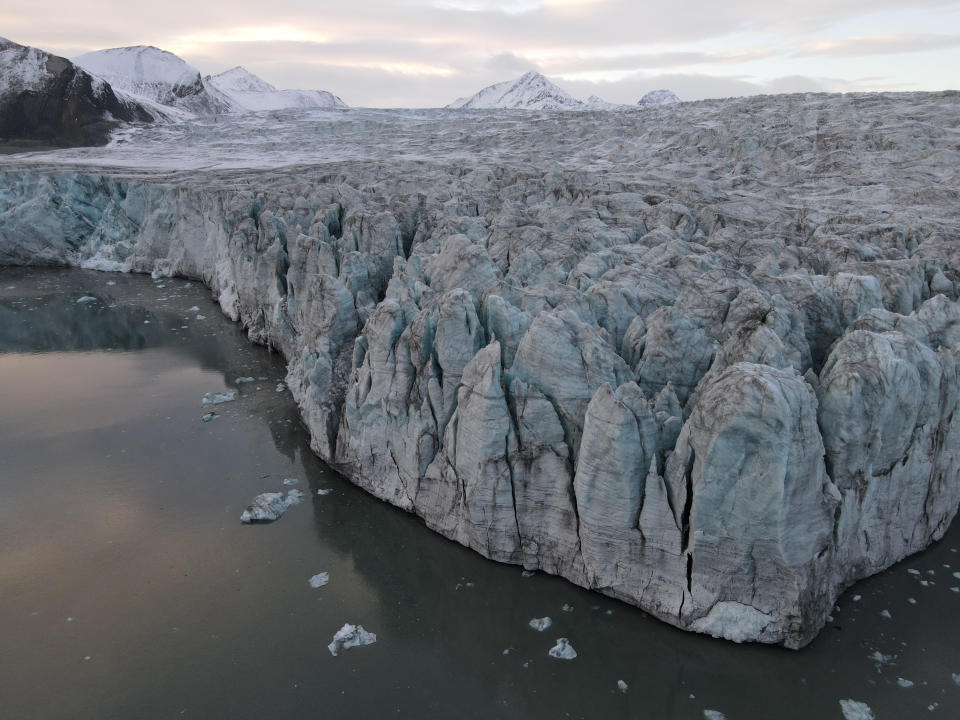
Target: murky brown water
[(129, 588)]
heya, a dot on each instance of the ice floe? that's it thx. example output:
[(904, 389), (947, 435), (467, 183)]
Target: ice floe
[(216, 398), (350, 636), (269, 506), (319, 580), (856, 710), (541, 624), (563, 650)]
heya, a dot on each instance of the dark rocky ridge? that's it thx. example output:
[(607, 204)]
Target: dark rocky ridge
[(64, 106)]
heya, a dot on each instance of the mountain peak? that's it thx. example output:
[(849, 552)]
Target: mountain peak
[(531, 91), (658, 97)]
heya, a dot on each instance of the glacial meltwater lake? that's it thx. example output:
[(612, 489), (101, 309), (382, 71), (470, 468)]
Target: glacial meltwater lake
[(130, 589)]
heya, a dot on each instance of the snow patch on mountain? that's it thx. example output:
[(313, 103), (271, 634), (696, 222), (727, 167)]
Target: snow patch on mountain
[(247, 92), (531, 92)]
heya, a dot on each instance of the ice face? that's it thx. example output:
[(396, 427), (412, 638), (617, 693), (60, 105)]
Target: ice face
[(597, 345)]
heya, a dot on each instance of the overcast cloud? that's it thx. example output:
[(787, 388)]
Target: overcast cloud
[(423, 53)]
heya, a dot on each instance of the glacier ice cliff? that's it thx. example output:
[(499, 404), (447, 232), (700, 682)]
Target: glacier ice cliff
[(704, 362)]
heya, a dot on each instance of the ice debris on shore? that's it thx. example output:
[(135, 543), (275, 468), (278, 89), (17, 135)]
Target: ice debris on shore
[(267, 507), (350, 636), (563, 650)]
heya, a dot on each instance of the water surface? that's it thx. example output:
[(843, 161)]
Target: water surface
[(130, 589)]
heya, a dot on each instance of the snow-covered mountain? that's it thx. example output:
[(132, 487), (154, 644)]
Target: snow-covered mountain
[(46, 99), (597, 103), (247, 92), (530, 92), (658, 97), (154, 76)]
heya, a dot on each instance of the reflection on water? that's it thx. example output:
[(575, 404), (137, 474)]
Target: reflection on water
[(129, 588)]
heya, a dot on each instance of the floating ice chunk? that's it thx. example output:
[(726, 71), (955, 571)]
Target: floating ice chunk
[(110, 282), (957, 575), (242, 380), (156, 274), (281, 387), (563, 650), (86, 300), (913, 571), (886, 614), (290, 481), (856, 710), (622, 686), (324, 491), (566, 608), (857, 598), (912, 601), (933, 706), (193, 309), (319, 580), (527, 573), (956, 677), (904, 683), (541, 624), (881, 659), (268, 507), (208, 417), (350, 636), (713, 715), (955, 589), (215, 398), (201, 317)]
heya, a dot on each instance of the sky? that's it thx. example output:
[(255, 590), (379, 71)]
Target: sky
[(426, 53)]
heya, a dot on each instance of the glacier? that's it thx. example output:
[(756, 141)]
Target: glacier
[(703, 362)]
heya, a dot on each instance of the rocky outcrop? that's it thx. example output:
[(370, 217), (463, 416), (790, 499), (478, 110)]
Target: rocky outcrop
[(716, 402), (46, 100)]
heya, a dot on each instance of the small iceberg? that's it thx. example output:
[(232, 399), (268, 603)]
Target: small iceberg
[(856, 710), (563, 650), (208, 416), (215, 398), (319, 580), (350, 636), (541, 624), (622, 686), (268, 507)]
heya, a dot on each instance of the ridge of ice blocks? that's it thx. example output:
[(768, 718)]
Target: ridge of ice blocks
[(703, 359), (563, 650), (267, 507), (350, 636)]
